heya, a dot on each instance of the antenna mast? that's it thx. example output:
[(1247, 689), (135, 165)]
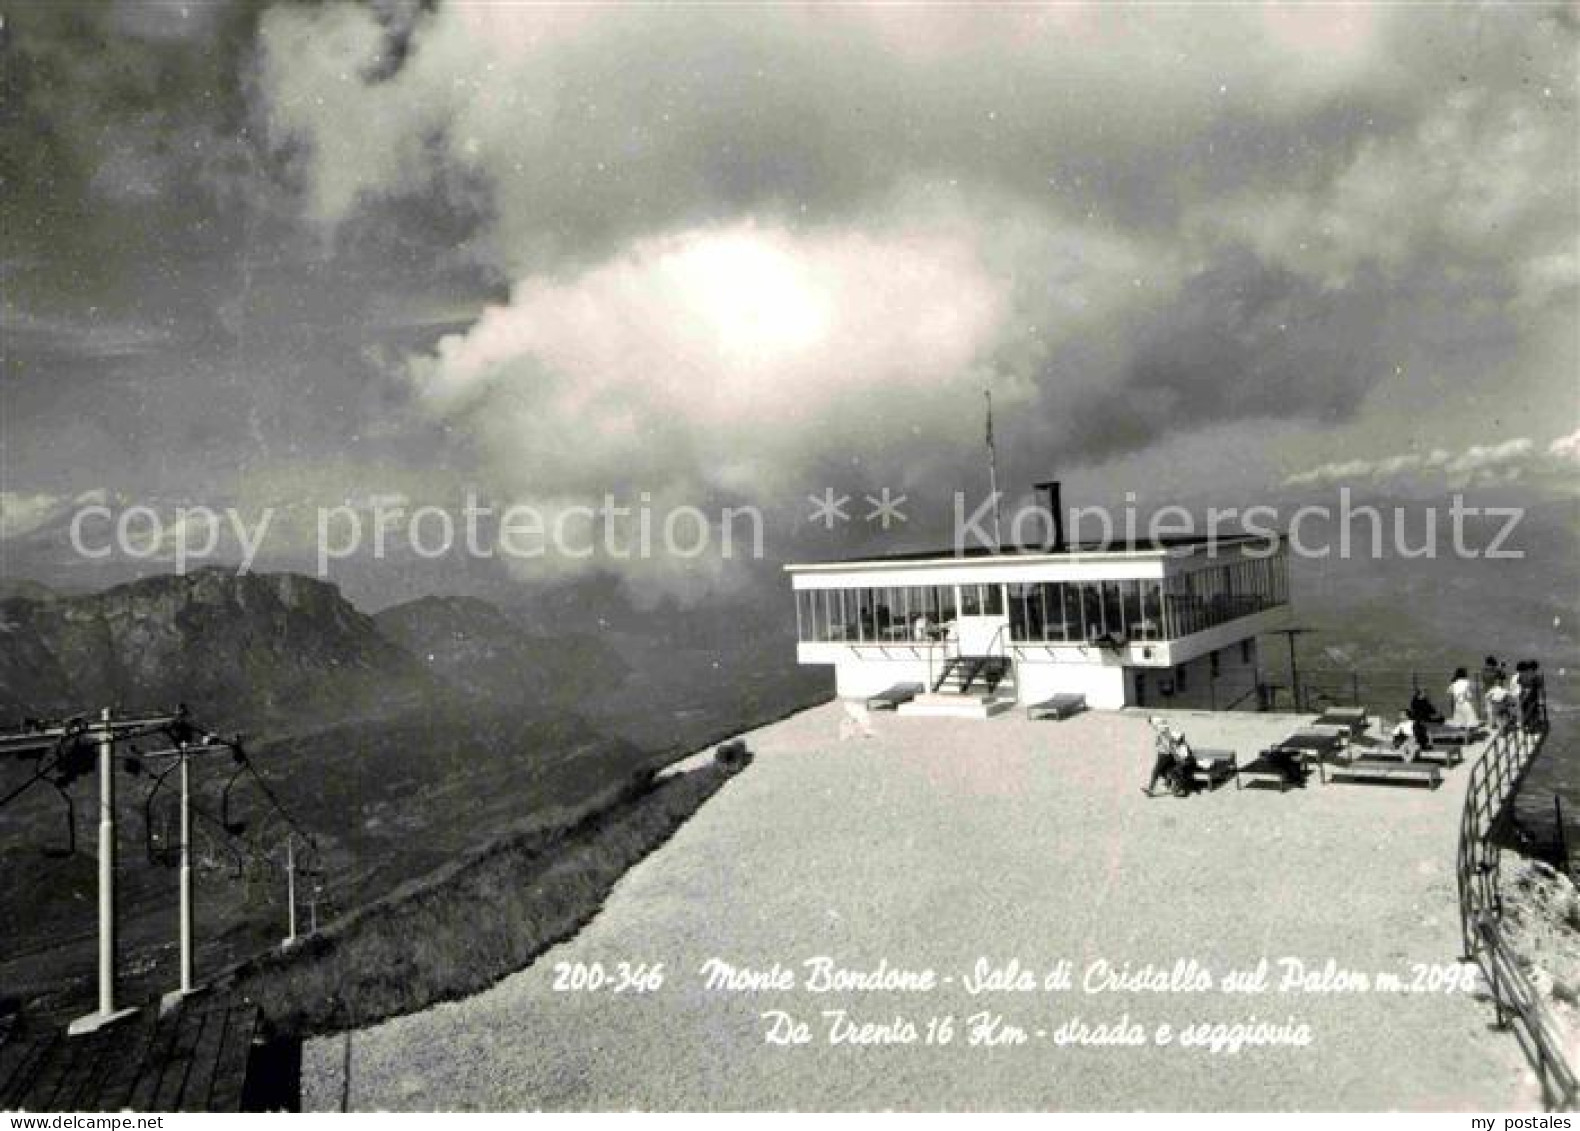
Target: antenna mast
[(998, 536)]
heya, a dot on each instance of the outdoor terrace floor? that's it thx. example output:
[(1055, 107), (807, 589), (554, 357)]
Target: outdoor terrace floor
[(939, 841)]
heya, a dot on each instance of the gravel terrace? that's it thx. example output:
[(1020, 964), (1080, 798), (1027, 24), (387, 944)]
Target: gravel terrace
[(939, 841)]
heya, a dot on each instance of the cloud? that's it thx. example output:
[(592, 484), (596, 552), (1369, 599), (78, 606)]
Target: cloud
[(1480, 458), (1566, 448), (1480, 464), (587, 125), (95, 338), (22, 514), (1484, 182), (744, 247), (720, 361)]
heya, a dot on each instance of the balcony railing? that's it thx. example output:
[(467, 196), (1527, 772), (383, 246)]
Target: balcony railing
[(1489, 797)]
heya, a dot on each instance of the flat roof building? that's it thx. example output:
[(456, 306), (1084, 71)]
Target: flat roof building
[(1170, 622)]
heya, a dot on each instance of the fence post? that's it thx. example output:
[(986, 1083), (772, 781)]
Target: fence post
[(1497, 988), (1563, 833)]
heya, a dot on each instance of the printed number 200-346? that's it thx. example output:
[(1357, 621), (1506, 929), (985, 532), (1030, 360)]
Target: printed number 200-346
[(594, 977)]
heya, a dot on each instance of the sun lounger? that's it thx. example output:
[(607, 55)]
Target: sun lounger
[(1214, 767), (1384, 752), (1267, 766), (1316, 744), (1058, 707), (891, 699), (1447, 734), (1386, 771), (1354, 719)]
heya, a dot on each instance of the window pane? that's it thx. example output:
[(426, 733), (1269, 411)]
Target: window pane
[(1113, 608)]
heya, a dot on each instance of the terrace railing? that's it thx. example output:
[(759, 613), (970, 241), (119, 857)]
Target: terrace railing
[(1494, 781), (1383, 690)]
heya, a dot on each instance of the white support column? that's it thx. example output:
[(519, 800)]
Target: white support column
[(106, 1013), (290, 889), (186, 874), (176, 996)]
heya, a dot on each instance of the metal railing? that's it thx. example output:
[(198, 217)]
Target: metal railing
[(998, 646), (1494, 781), (1378, 688)]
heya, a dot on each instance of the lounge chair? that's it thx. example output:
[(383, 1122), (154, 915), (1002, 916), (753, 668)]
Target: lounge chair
[(1386, 771), (1214, 767), (1447, 734), (1059, 707), (1316, 744), (1449, 756), (1270, 765), (891, 699), (1353, 718)]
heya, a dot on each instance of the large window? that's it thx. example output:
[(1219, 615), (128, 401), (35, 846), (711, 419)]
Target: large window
[(1200, 600), (1048, 612), (982, 600), (877, 615), (1059, 612), (1078, 611)]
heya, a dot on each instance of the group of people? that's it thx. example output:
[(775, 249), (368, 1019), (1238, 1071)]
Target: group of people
[(1513, 699), (1509, 700)]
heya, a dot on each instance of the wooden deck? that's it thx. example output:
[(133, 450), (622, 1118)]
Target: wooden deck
[(193, 1059)]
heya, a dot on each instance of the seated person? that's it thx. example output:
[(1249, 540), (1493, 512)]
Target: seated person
[(921, 627), (1173, 761), (1421, 709), (1408, 736), (1162, 754), (1185, 765)]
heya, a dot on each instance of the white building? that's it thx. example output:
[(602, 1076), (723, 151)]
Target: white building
[(1172, 623)]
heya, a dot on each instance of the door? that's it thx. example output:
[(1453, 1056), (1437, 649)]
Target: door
[(982, 627)]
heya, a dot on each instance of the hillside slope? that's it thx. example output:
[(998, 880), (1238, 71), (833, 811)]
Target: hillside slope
[(481, 650), (233, 646)]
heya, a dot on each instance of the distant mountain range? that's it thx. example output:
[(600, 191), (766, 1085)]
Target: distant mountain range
[(479, 649), (398, 742), (266, 647)]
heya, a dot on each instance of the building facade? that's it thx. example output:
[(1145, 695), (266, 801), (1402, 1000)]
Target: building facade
[(1158, 625)]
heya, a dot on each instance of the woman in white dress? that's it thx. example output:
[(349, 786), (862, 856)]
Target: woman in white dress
[(1460, 696)]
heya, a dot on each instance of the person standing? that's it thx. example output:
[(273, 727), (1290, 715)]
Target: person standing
[(1531, 696), (1500, 710), (1490, 671), (1463, 702)]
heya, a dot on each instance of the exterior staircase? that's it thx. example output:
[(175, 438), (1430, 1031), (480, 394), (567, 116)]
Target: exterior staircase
[(968, 687), (961, 673)]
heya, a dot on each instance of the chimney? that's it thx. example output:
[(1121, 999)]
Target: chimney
[(1056, 510)]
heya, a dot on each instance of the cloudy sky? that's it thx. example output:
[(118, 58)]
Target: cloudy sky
[(260, 254)]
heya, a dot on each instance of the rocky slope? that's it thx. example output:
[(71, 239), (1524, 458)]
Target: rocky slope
[(232, 646), (1542, 924), (477, 648)]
